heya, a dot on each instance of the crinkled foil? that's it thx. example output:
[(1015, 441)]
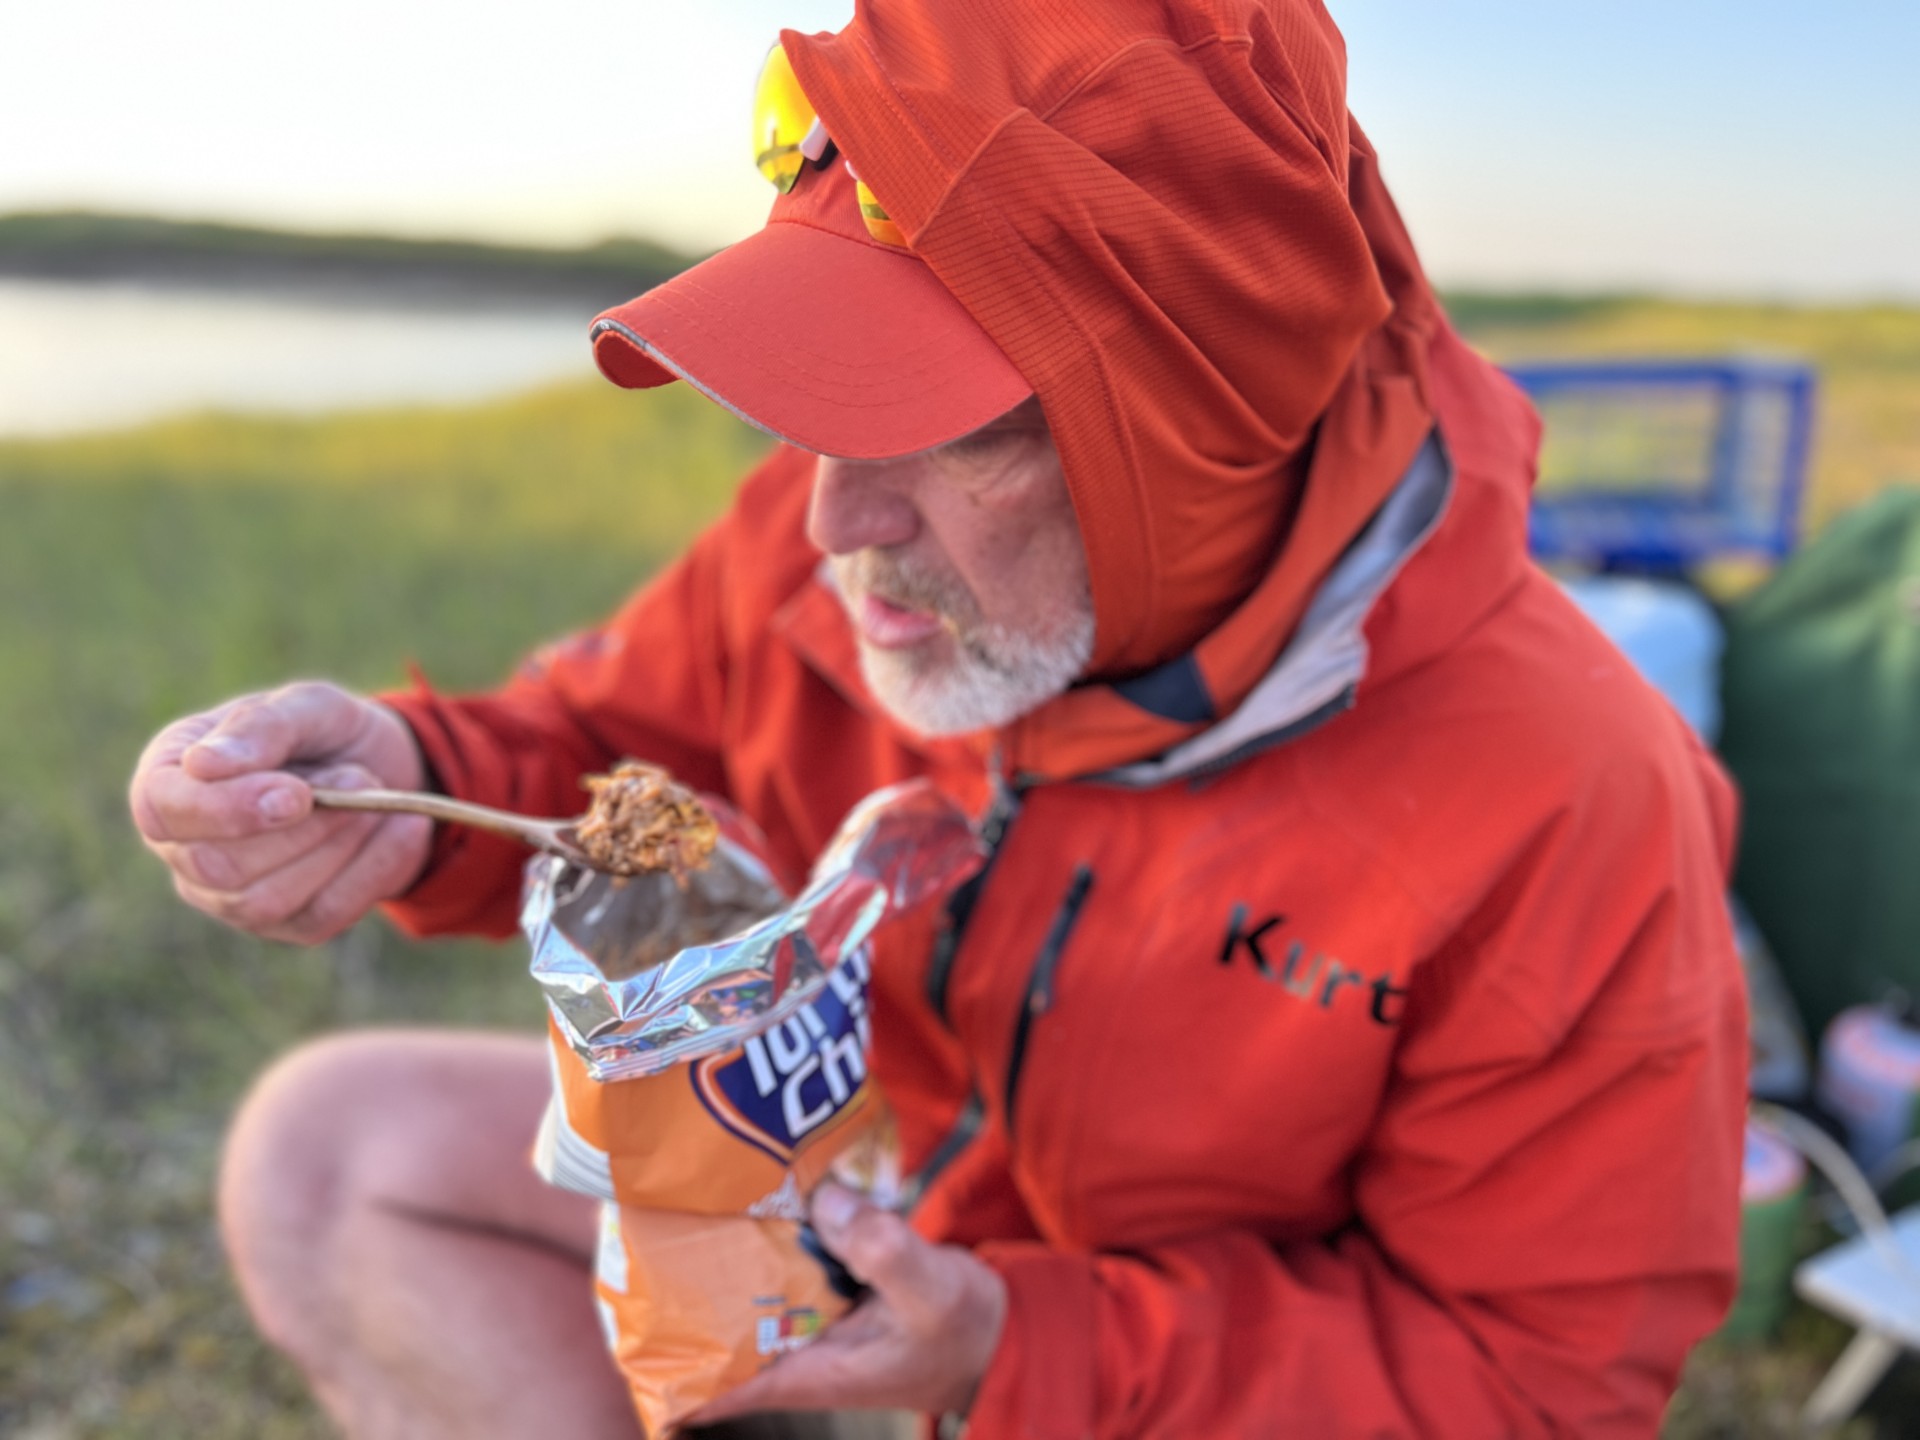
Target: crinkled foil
[(644, 975)]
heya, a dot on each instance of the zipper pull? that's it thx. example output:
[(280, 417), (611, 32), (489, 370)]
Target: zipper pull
[(1000, 812)]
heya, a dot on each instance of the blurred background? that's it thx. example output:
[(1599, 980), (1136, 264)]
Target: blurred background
[(294, 381)]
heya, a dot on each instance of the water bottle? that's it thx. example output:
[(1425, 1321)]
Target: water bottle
[(1869, 1080), (1773, 1186)]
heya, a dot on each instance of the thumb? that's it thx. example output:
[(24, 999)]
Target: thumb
[(883, 1250), (308, 721)]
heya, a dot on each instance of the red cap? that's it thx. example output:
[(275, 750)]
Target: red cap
[(817, 333)]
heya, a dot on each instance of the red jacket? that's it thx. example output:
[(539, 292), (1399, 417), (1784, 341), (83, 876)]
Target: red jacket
[(1370, 1063)]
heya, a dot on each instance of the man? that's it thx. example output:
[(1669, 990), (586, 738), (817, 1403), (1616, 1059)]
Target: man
[(1345, 1037)]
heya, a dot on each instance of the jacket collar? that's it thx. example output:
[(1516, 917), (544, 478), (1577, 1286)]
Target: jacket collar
[(1319, 671)]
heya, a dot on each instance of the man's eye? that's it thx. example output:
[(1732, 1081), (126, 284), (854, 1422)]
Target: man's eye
[(979, 444)]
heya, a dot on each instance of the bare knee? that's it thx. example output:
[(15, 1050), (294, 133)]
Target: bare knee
[(283, 1180), (420, 1122)]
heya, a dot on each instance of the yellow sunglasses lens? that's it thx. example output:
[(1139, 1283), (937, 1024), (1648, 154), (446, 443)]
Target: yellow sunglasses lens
[(880, 225), (781, 120)]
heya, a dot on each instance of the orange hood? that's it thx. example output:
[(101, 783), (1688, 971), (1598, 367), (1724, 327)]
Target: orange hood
[(1165, 217)]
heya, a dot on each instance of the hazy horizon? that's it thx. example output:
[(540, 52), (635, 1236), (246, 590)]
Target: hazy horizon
[(1742, 151)]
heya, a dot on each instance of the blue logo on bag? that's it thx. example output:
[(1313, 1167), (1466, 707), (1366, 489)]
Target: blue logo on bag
[(793, 1080)]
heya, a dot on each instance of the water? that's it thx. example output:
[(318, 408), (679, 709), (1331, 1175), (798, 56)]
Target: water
[(81, 357)]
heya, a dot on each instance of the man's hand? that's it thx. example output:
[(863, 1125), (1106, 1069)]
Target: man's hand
[(214, 798), (920, 1341)]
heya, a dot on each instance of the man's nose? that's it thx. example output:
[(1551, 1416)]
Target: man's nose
[(859, 505)]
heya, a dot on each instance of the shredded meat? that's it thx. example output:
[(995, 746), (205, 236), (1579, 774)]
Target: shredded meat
[(643, 820)]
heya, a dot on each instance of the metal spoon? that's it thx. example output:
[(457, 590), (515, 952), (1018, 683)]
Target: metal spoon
[(553, 837)]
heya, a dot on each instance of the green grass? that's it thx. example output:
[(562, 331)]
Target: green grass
[(146, 574)]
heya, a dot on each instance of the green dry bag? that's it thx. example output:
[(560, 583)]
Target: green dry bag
[(1821, 689)]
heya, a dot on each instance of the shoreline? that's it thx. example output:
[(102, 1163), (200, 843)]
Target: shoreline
[(399, 292), (87, 249)]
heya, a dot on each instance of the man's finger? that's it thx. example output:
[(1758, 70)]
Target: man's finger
[(232, 865), (268, 905), (827, 1374), (166, 747), (385, 864), (304, 721), (171, 805), (883, 1250)]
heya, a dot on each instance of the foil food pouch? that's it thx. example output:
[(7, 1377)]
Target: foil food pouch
[(709, 1045), (748, 1010), (748, 1131)]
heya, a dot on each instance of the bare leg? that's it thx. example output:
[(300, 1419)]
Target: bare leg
[(389, 1236)]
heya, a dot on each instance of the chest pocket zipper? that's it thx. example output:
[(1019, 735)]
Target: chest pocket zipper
[(1040, 982), (993, 833), (1038, 999)]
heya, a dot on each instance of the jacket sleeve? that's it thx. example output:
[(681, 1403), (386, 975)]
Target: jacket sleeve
[(647, 684), (1545, 1215)]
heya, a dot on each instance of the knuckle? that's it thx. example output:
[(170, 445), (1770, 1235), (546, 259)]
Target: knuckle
[(348, 776), (224, 908), (307, 694), (332, 911), (243, 713), (170, 737), (874, 1245), (146, 815), (259, 908), (208, 866), (401, 844), (295, 932), (326, 915)]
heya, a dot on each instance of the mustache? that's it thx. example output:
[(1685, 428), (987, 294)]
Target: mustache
[(908, 583)]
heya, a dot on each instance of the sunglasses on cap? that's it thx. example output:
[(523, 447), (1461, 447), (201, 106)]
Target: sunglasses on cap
[(788, 135)]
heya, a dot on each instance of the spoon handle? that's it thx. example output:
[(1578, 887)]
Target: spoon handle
[(543, 834)]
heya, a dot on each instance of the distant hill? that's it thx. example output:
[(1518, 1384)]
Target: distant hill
[(81, 245), (85, 245)]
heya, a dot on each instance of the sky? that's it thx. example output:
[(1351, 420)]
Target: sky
[(1698, 146)]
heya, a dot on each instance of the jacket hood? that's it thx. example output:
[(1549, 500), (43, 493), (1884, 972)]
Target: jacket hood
[(1165, 218)]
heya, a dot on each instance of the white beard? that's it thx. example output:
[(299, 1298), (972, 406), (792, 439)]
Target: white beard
[(989, 675), (993, 678)]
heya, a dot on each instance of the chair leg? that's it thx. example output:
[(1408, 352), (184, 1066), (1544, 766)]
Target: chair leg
[(1852, 1377)]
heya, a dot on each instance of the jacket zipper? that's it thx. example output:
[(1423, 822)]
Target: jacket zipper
[(1037, 1001), (1039, 996), (965, 1127), (993, 832)]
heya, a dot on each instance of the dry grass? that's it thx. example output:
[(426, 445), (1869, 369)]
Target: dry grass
[(148, 573), (1868, 433)]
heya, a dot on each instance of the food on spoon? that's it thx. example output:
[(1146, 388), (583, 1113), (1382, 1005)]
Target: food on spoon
[(643, 820)]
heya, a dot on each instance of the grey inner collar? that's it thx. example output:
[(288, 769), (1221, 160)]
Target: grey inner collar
[(1328, 653)]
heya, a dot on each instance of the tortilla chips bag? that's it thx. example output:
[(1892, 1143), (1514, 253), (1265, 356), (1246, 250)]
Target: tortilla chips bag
[(708, 1040)]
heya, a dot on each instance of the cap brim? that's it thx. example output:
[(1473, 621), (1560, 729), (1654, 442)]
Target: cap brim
[(828, 343)]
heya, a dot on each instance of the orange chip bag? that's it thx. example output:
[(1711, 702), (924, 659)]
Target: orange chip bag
[(747, 1131), (694, 1304), (709, 1042)]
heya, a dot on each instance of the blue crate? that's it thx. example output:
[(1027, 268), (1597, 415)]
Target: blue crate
[(1654, 466)]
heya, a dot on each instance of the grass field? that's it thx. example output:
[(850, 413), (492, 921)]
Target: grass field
[(146, 574), (1868, 431)]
